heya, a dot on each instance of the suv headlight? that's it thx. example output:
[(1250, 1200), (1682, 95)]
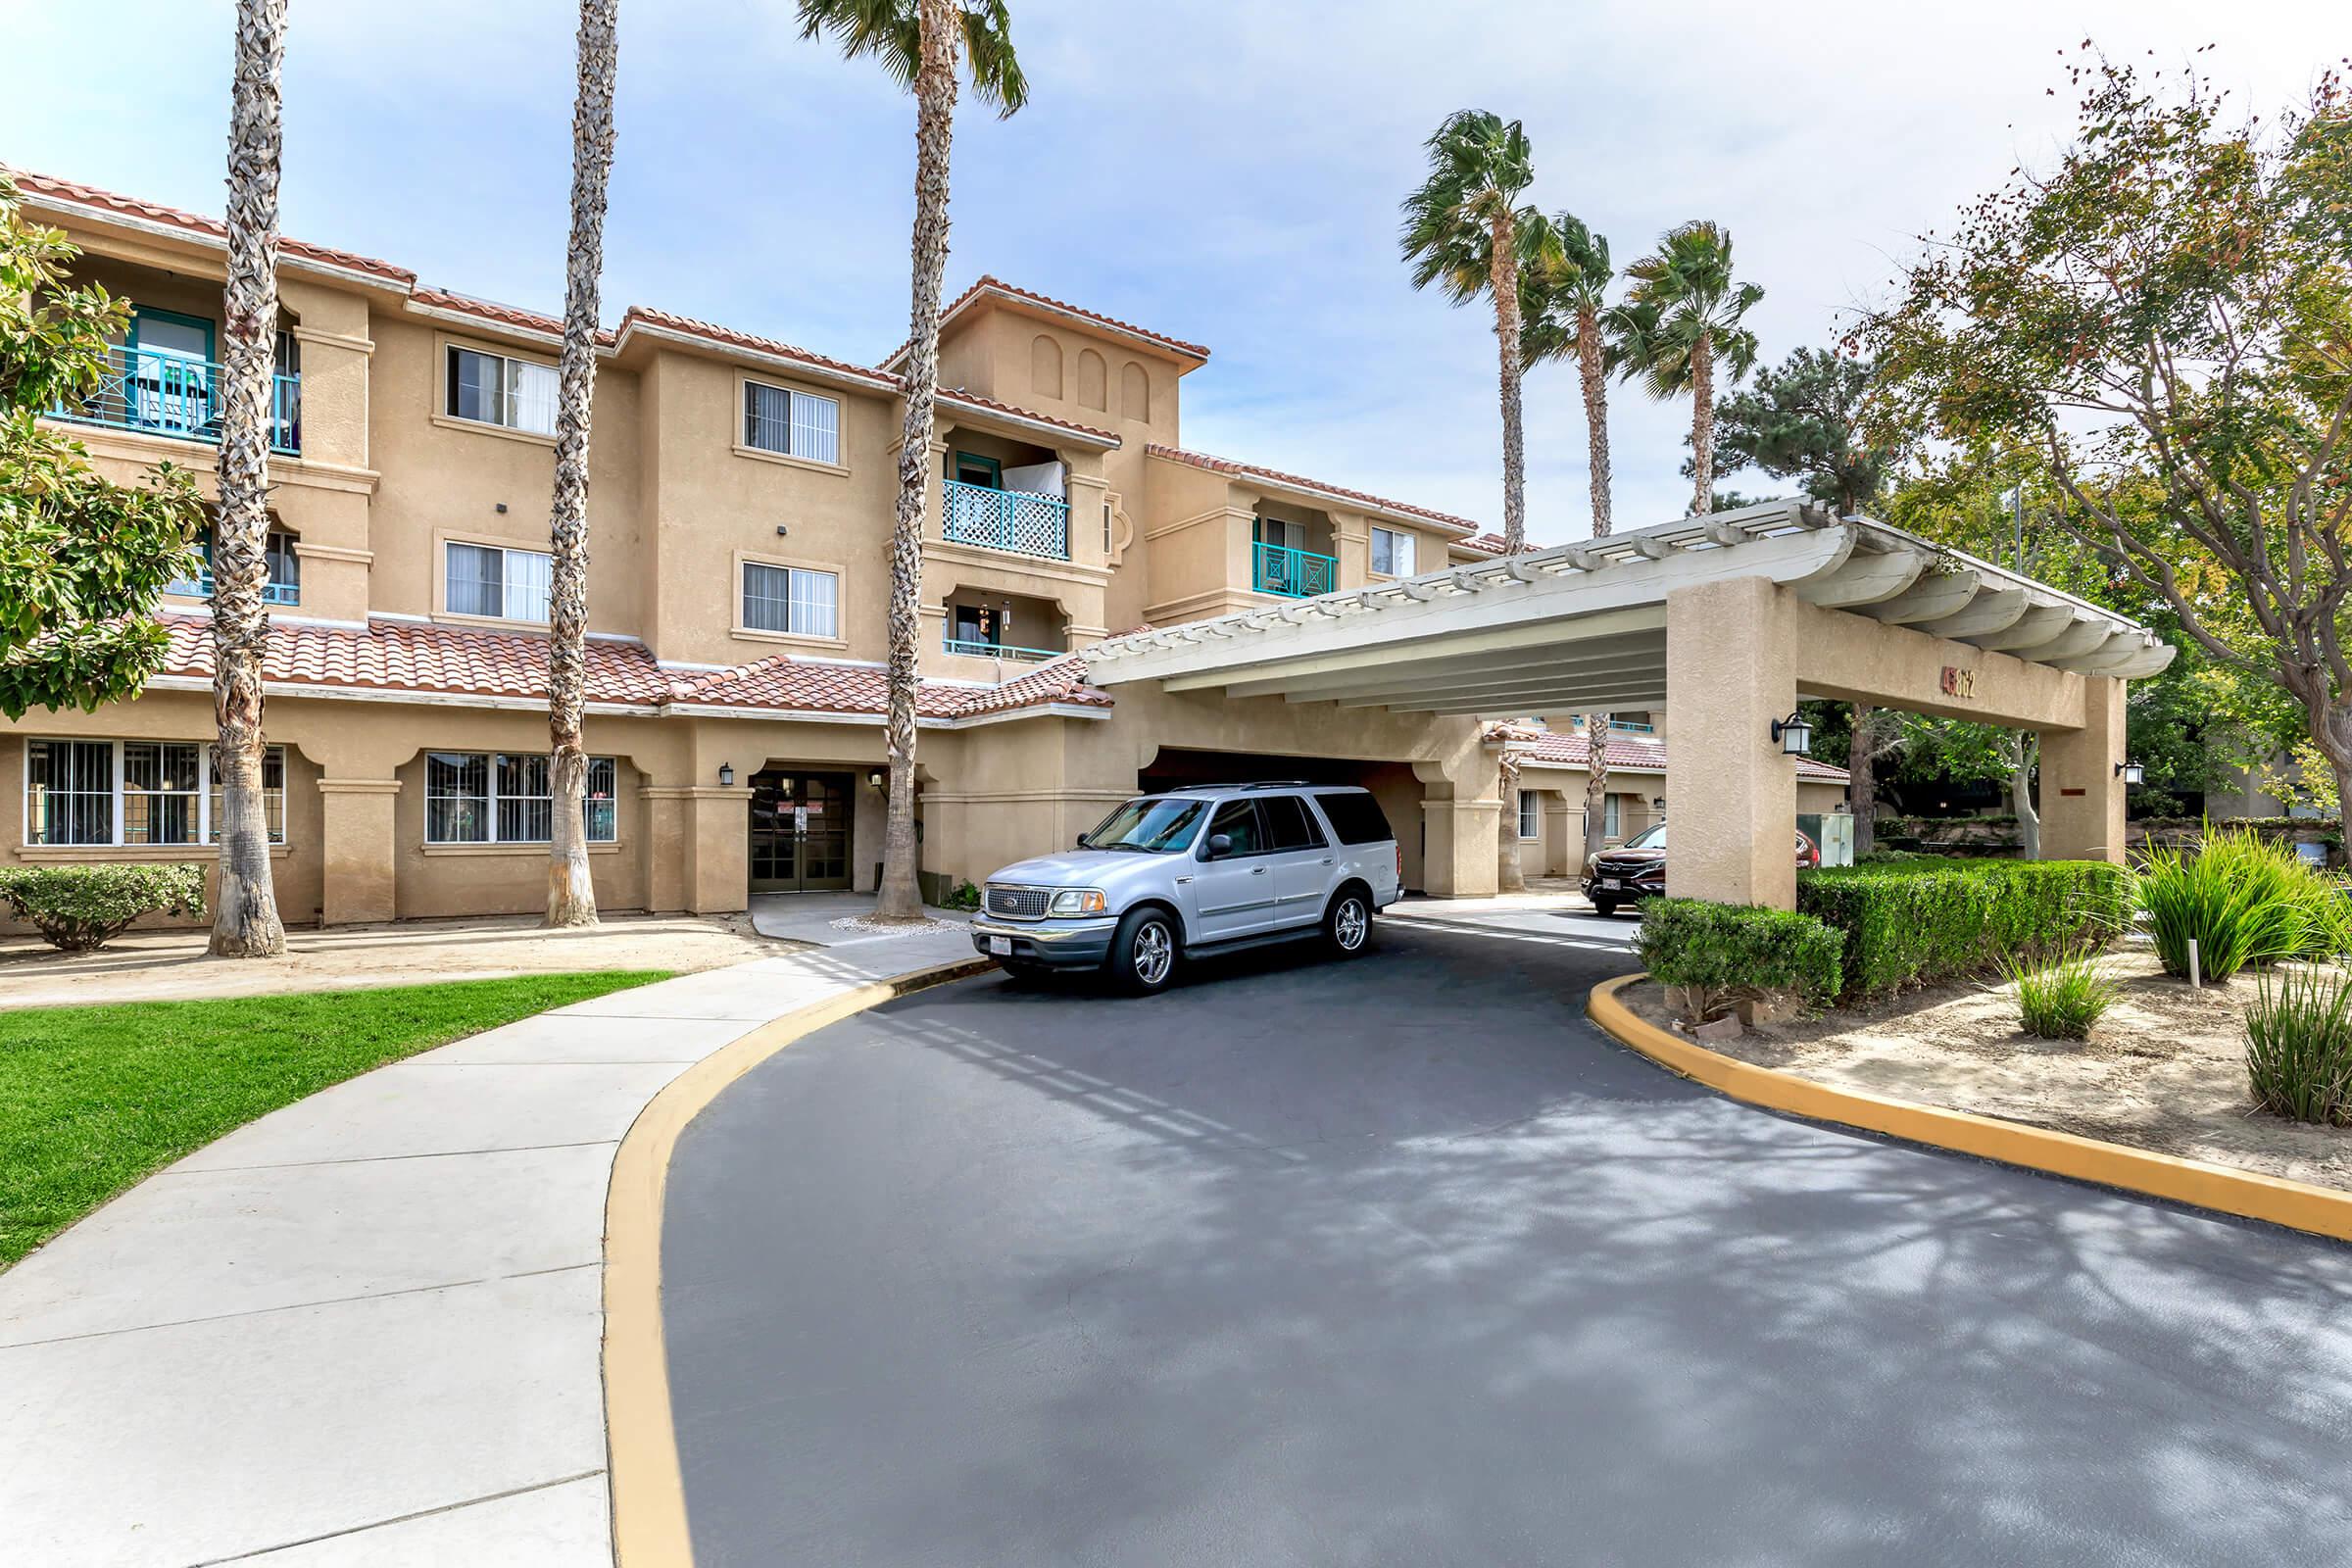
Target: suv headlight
[(1079, 901)]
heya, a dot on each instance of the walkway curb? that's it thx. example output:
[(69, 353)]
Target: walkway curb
[(649, 1492), (2297, 1205)]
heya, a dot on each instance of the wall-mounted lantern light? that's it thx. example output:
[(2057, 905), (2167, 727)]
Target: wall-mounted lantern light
[(1658, 805), (726, 775), (2131, 773), (876, 780), (1795, 735)]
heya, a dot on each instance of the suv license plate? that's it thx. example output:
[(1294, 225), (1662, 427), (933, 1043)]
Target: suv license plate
[(1001, 946), (1611, 883)]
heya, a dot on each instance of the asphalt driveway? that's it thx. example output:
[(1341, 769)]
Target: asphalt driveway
[(1400, 1262)]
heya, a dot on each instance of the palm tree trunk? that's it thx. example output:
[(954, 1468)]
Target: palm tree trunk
[(245, 919), (1597, 783), (1510, 877), (1861, 763), (571, 891), (1590, 369), (2021, 794), (1504, 281), (1702, 426), (901, 894)]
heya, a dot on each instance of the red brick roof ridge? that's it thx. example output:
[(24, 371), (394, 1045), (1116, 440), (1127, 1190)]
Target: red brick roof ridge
[(989, 280), (73, 191)]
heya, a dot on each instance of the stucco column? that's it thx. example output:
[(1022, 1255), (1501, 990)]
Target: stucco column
[(1730, 671), (1563, 835), (721, 832), (1086, 498), (1459, 855), (356, 853), (2081, 793)]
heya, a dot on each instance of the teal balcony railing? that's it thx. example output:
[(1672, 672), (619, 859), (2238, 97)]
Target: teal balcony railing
[(1295, 573), (161, 392), (1018, 520), (987, 650), (200, 586)]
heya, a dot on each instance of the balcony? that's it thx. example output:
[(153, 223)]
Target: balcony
[(1020, 522), (1292, 573), (976, 647), (161, 392), (200, 586)]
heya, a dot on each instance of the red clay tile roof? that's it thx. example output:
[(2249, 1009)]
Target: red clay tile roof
[(1486, 544), (987, 283), (50, 188), (493, 311), (1624, 750), (392, 655), (1201, 459), (746, 340)]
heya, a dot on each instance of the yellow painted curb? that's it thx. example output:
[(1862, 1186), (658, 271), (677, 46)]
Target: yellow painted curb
[(649, 1492), (2298, 1205)]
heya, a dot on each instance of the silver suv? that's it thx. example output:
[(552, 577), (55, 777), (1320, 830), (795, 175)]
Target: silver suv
[(1208, 868)]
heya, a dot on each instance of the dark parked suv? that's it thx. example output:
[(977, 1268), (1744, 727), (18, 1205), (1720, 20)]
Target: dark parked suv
[(1637, 869)]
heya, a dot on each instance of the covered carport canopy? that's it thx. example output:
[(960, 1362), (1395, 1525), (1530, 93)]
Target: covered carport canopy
[(1727, 619)]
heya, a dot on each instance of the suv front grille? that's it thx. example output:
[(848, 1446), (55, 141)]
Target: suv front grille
[(1017, 903)]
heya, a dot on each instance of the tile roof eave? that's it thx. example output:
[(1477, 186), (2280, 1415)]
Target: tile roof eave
[(1298, 484), (106, 207), (987, 284)]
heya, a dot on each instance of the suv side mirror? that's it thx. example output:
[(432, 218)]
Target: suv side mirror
[(1220, 845), (1081, 844)]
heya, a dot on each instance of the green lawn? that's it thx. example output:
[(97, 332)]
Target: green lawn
[(92, 1100)]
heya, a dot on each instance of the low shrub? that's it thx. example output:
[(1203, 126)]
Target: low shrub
[(2061, 998), (2299, 1046), (2246, 902), (79, 908), (962, 895), (1720, 953), (1920, 922)]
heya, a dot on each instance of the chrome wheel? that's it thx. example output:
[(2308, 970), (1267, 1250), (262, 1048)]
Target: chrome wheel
[(1154, 953), (1349, 925)]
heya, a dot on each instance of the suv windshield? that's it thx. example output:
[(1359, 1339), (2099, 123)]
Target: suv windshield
[(1155, 825), (1650, 838)]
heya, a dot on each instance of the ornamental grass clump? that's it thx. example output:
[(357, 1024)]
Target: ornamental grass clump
[(2062, 998), (2246, 902), (2299, 1046), (80, 907)]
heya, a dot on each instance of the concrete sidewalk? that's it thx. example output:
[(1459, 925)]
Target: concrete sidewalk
[(365, 1329)]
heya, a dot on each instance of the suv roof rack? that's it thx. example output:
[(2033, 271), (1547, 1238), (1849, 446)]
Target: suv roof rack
[(1246, 784)]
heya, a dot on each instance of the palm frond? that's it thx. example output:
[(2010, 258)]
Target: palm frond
[(1479, 164), (890, 33)]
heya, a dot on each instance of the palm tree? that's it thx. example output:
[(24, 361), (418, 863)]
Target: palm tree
[(245, 919), (1681, 318), (1566, 296), (919, 42), (571, 891), (1465, 231)]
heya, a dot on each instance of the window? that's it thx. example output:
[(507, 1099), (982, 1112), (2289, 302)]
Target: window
[(1608, 818), (1237, 821), (493, 389), (1287, 826), (968, 469), (496, 582), (1391, 553), (1531, 815), (791, 599), (486, 798), (1356, 817), (1152, 823), (284, 584), (105, 793), (797, 424)]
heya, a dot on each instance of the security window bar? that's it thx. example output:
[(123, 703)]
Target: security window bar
[(496, 798), (493, 389), (497, 583), (795, 424), (284, 565), (135, 794), (1531, 815), (791, 599)]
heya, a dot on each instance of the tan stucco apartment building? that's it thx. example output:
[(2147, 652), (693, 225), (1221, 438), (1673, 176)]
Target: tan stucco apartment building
[(740, 513)]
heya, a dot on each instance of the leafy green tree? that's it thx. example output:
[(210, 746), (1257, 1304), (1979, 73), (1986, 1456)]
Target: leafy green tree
[(83, 562), (2165, 316), (1681, 320), (922, 44), (1803, 421)]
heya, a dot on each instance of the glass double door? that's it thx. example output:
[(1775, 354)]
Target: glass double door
[(800, 832)]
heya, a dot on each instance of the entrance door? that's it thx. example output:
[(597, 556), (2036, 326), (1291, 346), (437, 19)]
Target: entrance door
[(800, 832)]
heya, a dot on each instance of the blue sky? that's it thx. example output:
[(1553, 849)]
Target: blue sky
[(1224, 172)]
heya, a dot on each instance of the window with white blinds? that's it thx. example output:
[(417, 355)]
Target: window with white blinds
[(493, 389), (791, 598), (493, 581), (797, 424), (1391, 553), (105, 793), (501, 798)]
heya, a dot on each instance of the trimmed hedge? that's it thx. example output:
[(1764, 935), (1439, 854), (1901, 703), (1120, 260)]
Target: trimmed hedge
[(1920, 922), (79, 908), (1720, 952)]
